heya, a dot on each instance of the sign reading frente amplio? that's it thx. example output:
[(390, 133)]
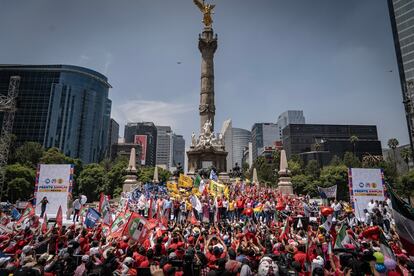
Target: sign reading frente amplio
[(55, 182), (142, 141), (365, 185)]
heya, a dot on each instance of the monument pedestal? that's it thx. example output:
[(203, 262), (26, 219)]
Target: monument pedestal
[(205, 158), (285, 186)]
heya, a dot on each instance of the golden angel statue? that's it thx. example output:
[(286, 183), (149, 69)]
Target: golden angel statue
[(207, 10)]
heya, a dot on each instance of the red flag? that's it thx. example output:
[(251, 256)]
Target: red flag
[(28, 213), (44, 224), (101, 200), (59, 217), (150, 214)]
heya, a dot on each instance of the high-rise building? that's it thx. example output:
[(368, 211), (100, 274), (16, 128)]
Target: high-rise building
[(308, 139), (263, 135), (145, 134), (164, 146), (227, 132), (402, 23), (113, 135), (240, 140), (289, 117), (178, 150), (61, 106)]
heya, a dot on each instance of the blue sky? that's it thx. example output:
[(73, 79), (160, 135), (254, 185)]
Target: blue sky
[(330, 58)]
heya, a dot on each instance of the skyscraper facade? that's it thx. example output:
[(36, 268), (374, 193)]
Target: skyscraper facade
[(178, 150), (289, 117), (402, 23), (145, 134), (241, 138), (227, 132), (263, 135), (333, 139), (113, 135), (164, 146), (61, 106)]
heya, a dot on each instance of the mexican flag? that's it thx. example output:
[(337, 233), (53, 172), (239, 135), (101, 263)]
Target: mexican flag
[(285, 230), (27, 213), (342, 237), (404, 221)]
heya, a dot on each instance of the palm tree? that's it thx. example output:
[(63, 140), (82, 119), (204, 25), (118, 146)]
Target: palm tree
[(393, 144), (406, 154), (354, 140)]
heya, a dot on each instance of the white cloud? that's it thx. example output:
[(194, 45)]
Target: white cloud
[(159, 112)]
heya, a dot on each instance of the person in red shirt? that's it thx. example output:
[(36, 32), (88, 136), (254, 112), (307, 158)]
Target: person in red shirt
[(300, 255), (240, 207)]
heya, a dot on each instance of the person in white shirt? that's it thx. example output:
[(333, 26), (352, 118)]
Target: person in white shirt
[(367, 218), (76, 208), (337, 207), (371, 206)]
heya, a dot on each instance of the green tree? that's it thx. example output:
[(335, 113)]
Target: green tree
[(294, 167), (406, 188), (313, 169), (351, 161), (18, 171), (301, 183), (393, 144), (19, 188), (336, 161), (54, 156), (406, 154), (91, 181), (115, 176), (29, 154), (371, 161), (354, 140), (267, 168), (336, 175)]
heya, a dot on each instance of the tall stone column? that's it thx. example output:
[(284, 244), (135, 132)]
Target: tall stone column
[(207, 45)]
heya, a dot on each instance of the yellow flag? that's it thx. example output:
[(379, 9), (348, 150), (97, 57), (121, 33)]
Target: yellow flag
[(185, 181), (172, 186), (213, 187)]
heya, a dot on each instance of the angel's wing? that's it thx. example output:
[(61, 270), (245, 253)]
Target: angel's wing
[(199, 4)]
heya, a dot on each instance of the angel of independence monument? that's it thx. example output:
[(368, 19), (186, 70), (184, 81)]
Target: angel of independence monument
[(208, 149)]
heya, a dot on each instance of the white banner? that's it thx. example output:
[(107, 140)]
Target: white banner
[(364, 185), (55, 183), (329, 192)]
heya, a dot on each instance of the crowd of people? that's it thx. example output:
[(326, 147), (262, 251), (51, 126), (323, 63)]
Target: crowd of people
[(247, 231)]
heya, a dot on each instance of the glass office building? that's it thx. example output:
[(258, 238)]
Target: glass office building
[(402, 23), (241, 139), (61, 106)]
